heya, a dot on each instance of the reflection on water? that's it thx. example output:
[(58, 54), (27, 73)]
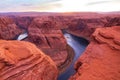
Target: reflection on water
[(78, 45), (22, 36)]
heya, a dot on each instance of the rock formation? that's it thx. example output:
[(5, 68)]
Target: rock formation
[(8, 29), (22, 22), (101, 60), (79, 24), (45, 30), (46, 34), (23, 61), (84, 27)]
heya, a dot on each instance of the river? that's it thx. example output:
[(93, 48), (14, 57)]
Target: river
[(78, 45)]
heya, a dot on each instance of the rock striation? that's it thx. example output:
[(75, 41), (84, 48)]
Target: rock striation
[(101, 60), (45, 29), (84, 27), (8, 29), (22, 22), (79, 24), (45, 33), (21, 60)]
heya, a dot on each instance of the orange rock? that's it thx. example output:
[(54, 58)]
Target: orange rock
[(23, 61), (101, 60), (44, 29)]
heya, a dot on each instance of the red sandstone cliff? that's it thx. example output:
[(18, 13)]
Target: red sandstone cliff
[(45, 30), (8, 29), (22, 22), (101, 59), (23, 61), (79, 24), (46, 34), (84, 27)]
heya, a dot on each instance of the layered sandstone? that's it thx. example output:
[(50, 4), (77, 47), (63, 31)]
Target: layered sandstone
[(45, 30), (101, 60), (22, 22), (79, 24), (24, 61), (46, 34), (8, 29), (84, 27)]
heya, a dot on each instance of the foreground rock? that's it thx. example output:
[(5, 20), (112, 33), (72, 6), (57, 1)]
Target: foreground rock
[(101, 60), (23, 61)]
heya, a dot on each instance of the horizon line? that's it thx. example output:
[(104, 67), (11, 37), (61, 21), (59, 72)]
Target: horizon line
[(61, 12)]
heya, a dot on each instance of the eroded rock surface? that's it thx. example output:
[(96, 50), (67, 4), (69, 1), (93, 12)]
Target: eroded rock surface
[(22, 22), (101, 60), (84, 27), (45, 29), (46, 34), (8, 29), (24, 61)]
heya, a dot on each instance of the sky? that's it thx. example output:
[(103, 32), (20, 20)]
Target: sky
[(59, 5)]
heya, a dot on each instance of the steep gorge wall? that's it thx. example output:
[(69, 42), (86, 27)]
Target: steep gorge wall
[(101, 59), (46, 31), (74, 24)]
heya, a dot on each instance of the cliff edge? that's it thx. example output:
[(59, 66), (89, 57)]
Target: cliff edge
[(101, 60), (23, 61)]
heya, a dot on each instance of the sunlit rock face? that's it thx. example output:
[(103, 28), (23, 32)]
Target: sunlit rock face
[(45, 29), (8, 29), (24, 61), (45, 33), (101, 60)]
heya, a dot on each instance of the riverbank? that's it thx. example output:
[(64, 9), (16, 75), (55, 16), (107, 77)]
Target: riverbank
[(78, 45)]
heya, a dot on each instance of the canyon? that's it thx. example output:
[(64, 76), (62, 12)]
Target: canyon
[(46, 30), (101, 60)]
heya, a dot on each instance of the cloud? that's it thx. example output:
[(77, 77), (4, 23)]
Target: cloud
[(26, 4), (59, 5), (46, 7), (97, 2)]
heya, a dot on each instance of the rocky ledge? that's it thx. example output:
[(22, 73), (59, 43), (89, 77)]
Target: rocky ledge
[(101, 60), (23, 61)]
